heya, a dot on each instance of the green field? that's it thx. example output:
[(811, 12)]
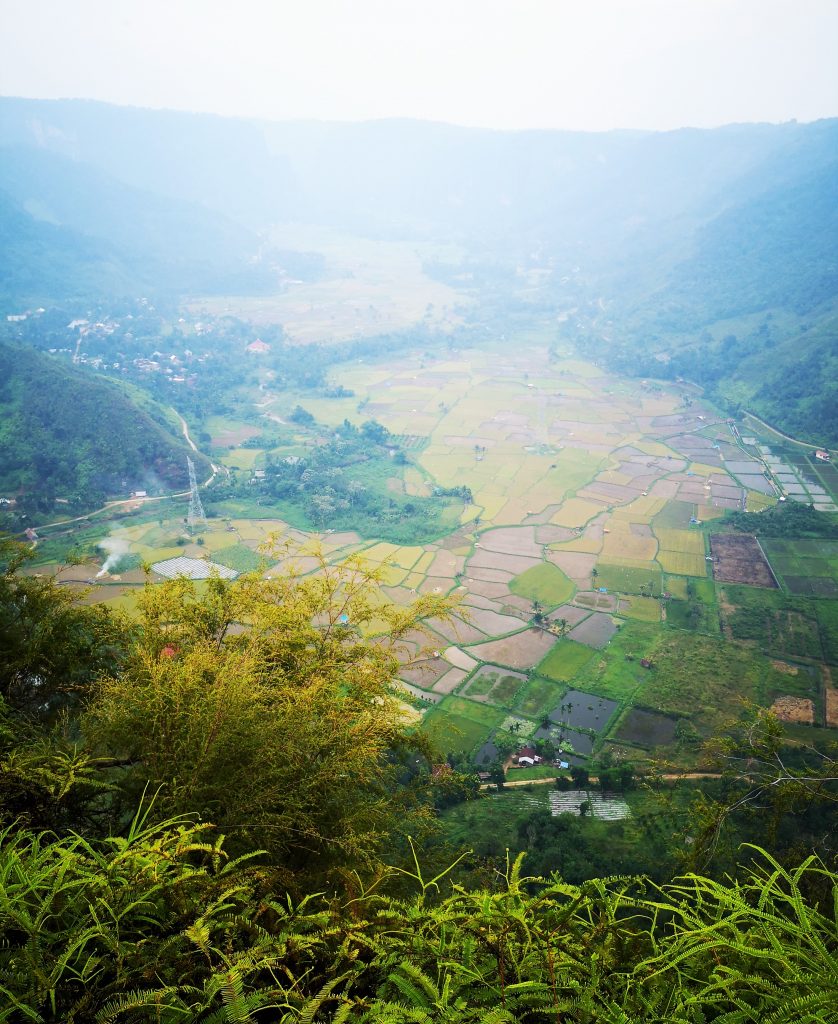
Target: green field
[(239, 557), (646, 609), (544, 583), (616, 672), (565, 661), (452, 733), (807, 566), (539, 696), (675, 515), (461, 725), (629, 579), (706, 679), (776, 622)]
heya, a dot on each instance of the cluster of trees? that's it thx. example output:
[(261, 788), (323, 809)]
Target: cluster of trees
[(286, 733), (342, 484), (786, 519)]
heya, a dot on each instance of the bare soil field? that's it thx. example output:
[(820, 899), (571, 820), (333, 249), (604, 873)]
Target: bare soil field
[(738, 558), (518, 540), (450, 681), (574, 564), (794, 709), (494, 560), (523, 650)]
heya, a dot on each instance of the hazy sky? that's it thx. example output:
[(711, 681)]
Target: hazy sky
[(582, 64)]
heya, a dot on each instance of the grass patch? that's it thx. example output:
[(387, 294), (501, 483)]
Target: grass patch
[(482, 713), (677, 587), (452, 734), (693, 615), (545, 583), (827, 616), (706, 678), (239, 557), (565, 661), (539, 696), (616, 672), (775, 622), (537, 771), (628, 579), (646, 609)]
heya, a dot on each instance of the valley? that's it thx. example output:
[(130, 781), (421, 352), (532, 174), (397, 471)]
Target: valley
[(579, 518)]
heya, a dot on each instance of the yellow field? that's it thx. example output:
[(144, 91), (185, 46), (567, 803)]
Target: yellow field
[(580, 545), (706, 512), (655, 448), (683, 563), (392, 575), (626, 545), (625, 562), (576, 512), (682, 541), (756, 502)]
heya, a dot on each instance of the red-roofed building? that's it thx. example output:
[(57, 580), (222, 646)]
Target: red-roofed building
[(258, 346)]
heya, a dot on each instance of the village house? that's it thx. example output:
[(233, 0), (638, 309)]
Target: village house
[(822, 454), (526, 757)]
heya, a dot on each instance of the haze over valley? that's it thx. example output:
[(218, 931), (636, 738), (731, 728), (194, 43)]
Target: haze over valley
[(381, 495)]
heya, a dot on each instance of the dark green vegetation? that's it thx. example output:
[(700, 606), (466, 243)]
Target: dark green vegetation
[(202, 938), (789, 520), (69, 231), (67, 434)]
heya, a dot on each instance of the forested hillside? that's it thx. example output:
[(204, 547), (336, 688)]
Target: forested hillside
[(71, 435)]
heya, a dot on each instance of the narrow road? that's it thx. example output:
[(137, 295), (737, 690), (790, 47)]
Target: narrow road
[(215, 469), (551, 781)]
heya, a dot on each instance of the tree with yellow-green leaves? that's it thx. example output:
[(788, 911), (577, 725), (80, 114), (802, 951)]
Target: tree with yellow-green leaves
[(267, 707)]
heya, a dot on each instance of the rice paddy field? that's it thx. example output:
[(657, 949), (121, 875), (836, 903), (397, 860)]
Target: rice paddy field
[(582, 563)]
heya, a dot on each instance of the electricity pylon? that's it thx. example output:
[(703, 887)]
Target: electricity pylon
[(196, 515)]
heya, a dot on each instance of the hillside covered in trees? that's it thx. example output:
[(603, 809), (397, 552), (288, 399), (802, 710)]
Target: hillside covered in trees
[(69, 434)]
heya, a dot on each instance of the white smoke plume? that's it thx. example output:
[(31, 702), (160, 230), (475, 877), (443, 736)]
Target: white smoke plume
[(116, 549)]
